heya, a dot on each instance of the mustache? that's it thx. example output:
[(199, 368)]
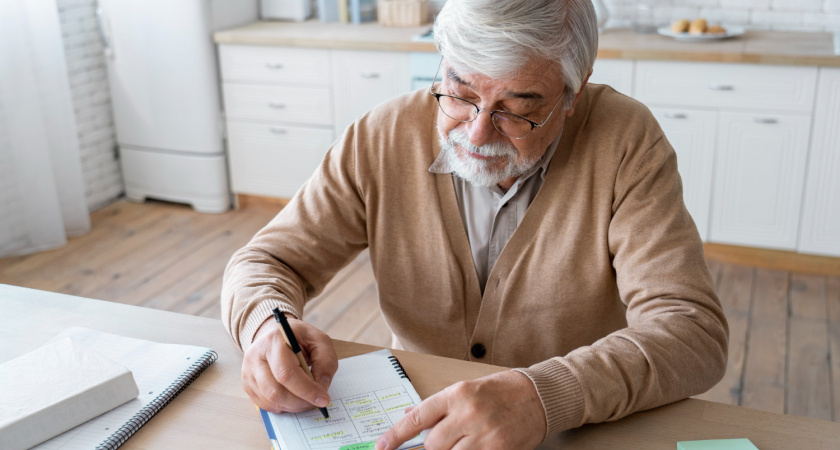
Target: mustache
[(492, 149)]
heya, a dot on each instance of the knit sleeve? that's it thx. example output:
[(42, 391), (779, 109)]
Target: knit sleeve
[(293, 257), (675, 342)]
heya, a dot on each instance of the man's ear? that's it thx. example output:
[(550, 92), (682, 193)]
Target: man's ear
[(571, 110)]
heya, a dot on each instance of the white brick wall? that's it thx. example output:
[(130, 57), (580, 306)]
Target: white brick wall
[(793, 15), (91, 101)]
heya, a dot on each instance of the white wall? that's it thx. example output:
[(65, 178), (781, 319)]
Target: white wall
[(791, 15), (91, 101)]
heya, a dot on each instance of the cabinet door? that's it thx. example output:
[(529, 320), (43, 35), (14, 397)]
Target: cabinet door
[(732, 86), (692, 134), (759, 177), (274, 160), (617, 73), (821, 211), (362, 80)]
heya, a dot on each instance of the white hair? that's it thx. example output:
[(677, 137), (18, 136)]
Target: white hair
[(497, 38)]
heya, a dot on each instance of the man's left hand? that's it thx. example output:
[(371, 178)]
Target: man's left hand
[(500, 411)]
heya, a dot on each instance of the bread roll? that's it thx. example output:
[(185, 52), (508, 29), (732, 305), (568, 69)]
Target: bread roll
[(680, 26), (716, 29), (698, 26)]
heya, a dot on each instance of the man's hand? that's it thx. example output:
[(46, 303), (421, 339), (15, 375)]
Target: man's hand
[(500, 411), (271, 373)]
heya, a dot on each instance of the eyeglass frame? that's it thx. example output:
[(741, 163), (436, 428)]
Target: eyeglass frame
[(478, 109)]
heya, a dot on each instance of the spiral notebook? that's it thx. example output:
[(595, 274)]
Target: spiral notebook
[(368, 394), (161, 372)]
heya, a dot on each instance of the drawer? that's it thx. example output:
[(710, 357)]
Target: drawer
[(275, 65), (617, 73), (744, 86), (300, 105), (274, 161)]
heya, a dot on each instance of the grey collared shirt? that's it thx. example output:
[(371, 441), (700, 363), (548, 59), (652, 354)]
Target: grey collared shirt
[(490, 215)]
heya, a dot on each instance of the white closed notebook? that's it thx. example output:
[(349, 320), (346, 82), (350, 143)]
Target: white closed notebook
[(161, 372), (368, 394), (55, 388)]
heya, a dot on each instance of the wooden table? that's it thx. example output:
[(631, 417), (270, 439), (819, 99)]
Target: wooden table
[(214, 412)]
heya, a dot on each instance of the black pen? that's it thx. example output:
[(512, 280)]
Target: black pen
[(290, 339)]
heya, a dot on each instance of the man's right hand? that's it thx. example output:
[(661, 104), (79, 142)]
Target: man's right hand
[(271, 374)]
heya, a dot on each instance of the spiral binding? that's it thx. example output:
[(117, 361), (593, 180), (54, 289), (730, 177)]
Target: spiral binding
[(138, 420), (398, 367)]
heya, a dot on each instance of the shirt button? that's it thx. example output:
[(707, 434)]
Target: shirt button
[(478, 350)]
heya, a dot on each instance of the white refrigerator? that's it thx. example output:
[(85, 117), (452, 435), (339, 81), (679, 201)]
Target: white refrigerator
[(166, 96)]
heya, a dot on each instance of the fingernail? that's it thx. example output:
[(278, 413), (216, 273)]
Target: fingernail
[(321, 402), (324, 381), (381, 443)]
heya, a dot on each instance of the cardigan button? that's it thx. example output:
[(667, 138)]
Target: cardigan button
[(478, 350)]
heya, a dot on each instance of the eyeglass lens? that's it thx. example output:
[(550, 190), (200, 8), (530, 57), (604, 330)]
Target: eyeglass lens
[(464, 111)]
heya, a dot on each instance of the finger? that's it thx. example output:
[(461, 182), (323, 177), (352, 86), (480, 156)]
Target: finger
[(320, 353), (274, 394), (257, 398), (425, 415), (286, 370), (446, 433)]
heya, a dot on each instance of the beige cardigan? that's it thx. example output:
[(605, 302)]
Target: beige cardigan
[(602, 294)]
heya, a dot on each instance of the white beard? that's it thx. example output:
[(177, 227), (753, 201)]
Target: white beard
[(483, 172)]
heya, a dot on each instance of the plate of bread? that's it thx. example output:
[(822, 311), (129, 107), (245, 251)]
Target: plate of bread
[(699, 30)]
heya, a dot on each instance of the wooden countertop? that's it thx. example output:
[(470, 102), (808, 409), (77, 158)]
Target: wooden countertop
[(757, 47)]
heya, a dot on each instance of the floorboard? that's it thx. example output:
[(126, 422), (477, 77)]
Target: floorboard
[(784, 349), (764, 368)]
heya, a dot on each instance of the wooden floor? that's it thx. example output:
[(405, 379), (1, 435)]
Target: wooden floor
[(784, 352)]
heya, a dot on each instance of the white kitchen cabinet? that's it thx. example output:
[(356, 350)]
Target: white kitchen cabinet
[(279, 116), (759, 179), (274, 160), (617, 73), (287, 104), (727, 86), (821, 210), (692, 134), (275, 65), (363, 79), (763, 118), (284, 107)]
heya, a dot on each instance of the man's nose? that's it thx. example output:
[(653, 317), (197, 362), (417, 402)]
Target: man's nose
[(481, 130)]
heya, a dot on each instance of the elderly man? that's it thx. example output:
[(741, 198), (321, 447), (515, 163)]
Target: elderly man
[(515, 216)]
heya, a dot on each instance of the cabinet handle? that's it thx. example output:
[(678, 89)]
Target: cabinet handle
[(277, 130), (369, 75), (766, 120), (276, 105), (671, 115), (721, 87), (272, 65)]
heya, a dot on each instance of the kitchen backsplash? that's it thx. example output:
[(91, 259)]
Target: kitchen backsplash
[(791, 15), (91, 101)]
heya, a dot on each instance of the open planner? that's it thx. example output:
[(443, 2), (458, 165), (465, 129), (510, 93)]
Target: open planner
[(161, 372), (369, 393)]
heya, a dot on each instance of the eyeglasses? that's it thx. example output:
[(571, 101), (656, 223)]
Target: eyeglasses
[(511, 125)]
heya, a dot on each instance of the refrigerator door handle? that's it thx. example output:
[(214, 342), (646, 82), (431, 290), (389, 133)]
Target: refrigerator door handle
[(106, 43)]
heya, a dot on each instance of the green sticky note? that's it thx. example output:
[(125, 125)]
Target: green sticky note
[(360, 446), (717, 444)]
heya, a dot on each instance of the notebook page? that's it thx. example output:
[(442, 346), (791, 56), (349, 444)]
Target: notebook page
[(368, 396), (155, 367)]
